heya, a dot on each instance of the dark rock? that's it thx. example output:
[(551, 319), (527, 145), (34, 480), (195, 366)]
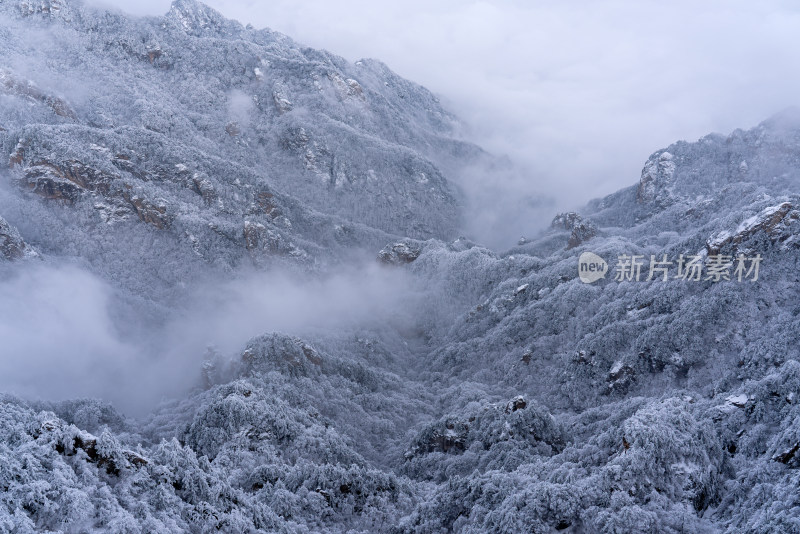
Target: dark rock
[(12, 247), (580, 230), (517, 403), (770, 221), (14, 85), (580, 234), (400, 253)]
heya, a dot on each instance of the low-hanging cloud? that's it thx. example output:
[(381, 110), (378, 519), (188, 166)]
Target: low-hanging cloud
[(58, 339), (240, 108), (62, 336), (357, 296)]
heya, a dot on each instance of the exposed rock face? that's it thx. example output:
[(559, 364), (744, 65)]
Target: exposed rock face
[(260, 239), (14, 85), (150, 212), (657, 178), (69, 181), (789, 456), (63, 182), (205, 188), (400, 253), (12, 247), (517, 403), (289, 355), (43, 8), (717, 165), (566, 221), (580, 230), (232, 129), (580, 234), (620, 376), (451, 439), (51, 185), (254, 234), (282, 103), (774, 222)]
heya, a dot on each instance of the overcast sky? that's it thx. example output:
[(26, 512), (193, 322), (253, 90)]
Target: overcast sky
[(577, 93)]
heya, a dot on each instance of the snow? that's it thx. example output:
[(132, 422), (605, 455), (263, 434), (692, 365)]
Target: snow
[(737, 400), (388, 403)]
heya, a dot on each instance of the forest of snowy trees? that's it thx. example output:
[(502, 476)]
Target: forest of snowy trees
[(233, 298)]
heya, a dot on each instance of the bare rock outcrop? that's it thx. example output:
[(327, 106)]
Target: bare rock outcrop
[(12, 247)]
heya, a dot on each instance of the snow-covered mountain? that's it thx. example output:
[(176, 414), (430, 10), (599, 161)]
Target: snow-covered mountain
[(441, 387), (238, 142)]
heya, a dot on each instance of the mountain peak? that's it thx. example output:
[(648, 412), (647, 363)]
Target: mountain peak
[(195, 17)]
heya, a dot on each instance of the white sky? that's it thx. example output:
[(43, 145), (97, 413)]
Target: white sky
[(578, 93)]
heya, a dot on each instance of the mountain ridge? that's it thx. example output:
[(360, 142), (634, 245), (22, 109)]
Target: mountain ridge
[(215, 182)]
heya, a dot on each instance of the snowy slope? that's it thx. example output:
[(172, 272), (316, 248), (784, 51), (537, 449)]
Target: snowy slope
[(444, 387)]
